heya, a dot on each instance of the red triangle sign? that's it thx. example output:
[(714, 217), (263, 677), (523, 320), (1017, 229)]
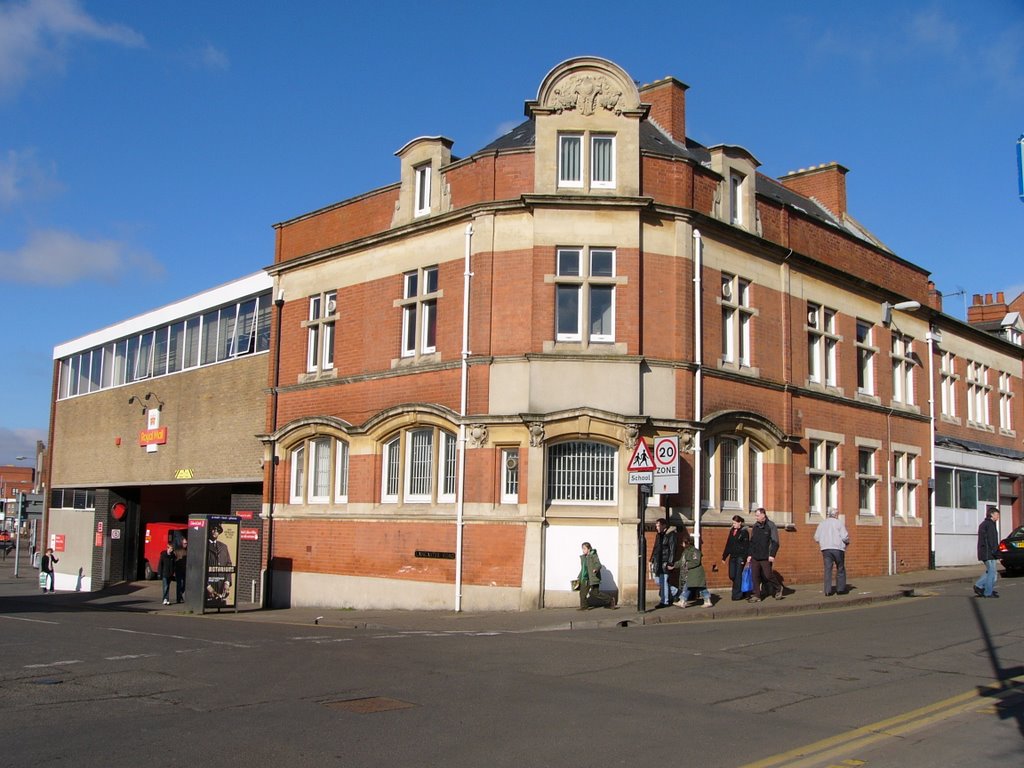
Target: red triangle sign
[(642, 460)]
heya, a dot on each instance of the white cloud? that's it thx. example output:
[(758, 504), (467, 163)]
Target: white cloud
[(36, 33), (20, 442), (932, 28), (54, 258), (23, 177), (505, 127), (210, 57)]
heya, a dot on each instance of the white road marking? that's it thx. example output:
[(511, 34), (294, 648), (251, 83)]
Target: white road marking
[(179, 637), (53, 664), (34, 621), (130, 656)]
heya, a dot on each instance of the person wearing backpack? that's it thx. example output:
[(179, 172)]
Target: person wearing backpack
[(764, 546)]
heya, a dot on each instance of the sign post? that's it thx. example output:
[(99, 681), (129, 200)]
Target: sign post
[(640, 471)]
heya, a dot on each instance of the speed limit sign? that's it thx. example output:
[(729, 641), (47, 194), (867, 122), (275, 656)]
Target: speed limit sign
[(666, 464)]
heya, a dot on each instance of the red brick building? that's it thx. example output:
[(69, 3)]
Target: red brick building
[(460, 365), (624, 283)]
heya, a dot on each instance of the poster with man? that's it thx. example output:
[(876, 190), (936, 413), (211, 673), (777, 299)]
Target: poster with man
[(221, 562)]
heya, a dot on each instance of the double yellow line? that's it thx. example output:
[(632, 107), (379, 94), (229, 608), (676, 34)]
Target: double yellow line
[(842, 744)]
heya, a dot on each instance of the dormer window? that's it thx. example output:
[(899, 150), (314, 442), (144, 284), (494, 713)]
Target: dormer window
[(575, 162), (736, 198), (602, 161), (570, 160), (422, 193)]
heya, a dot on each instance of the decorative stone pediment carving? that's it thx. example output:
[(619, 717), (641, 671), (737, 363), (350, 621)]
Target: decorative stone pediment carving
[(536, 434), (476, 435), (587, 85)]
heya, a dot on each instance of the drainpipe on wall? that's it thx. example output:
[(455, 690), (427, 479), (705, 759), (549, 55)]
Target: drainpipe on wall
[(931, 445), (268, 584), (698, 380), (460, 504)]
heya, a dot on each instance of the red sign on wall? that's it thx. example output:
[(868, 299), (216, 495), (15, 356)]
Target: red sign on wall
[(58, 542), (249, 534), (245, 514), (156, 436)]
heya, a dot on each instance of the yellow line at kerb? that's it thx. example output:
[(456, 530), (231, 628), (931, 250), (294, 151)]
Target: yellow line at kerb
[(858, 738)]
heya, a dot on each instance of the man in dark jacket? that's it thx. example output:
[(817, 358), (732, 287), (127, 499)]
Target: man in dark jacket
[(166, 570), (988, 551), (764, 545), (663, 560)]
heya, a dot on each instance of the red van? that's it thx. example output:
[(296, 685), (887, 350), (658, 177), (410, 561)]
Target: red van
[(157, 536)]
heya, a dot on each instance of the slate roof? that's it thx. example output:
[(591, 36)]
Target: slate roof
[(655, 141)]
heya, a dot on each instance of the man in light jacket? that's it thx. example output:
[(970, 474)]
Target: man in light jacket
[(833, 539)]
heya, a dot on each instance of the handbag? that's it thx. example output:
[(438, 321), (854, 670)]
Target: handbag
[(575, 585), (747, 580)]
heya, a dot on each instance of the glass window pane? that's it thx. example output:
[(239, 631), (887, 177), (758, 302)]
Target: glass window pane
[(430, 280), (602, 162), (191, 342), (175, 347), (245, 329), (228, 317), (602, 263), (263, 324), (568, 310), (429, 325), (569, 263), (320, 469), (570, 159), (728, 476), (601, 311), (943, 487), (420, 448), (988, 487), (211, 327), (160, 352), (967, 488), (341, 471)]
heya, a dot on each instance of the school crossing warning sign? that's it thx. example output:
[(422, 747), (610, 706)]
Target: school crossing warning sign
[(640, 469)]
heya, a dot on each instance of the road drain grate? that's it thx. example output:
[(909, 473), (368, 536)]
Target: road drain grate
[(369, 705)]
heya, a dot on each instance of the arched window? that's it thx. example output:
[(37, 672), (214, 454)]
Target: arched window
[(581, 472), (733, 474), (319, 471), (419, 467)]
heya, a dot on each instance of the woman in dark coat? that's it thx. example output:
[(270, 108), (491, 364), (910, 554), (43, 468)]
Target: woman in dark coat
[(736, 549)]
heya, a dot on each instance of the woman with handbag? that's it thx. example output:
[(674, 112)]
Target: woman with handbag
[(736, 548), (591, 595)]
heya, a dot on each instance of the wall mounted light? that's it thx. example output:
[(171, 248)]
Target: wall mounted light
[(903, 306)]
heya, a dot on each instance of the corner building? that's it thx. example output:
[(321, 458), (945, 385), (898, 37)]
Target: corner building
[(624, 282)]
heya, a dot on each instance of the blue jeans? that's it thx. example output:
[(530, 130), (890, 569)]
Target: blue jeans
[(705, 593), (666, 592), (987, 582)]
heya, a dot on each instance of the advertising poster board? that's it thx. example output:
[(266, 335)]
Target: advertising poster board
[(220, 580)]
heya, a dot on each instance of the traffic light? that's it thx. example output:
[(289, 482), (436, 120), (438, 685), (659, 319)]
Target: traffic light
[(23, 508)]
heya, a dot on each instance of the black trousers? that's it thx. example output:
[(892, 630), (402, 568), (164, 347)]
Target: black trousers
[(736, 575)]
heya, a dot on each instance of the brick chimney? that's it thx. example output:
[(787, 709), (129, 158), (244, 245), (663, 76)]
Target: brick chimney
[(984, 309), (667, 98), (826, 183)]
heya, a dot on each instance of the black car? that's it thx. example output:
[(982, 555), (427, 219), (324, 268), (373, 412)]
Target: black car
[(1011, 551)]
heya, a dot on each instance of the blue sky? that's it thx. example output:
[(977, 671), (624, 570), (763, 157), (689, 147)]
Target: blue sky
[(146, 148)]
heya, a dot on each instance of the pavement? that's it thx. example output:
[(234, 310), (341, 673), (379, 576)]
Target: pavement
[(144, 596)]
